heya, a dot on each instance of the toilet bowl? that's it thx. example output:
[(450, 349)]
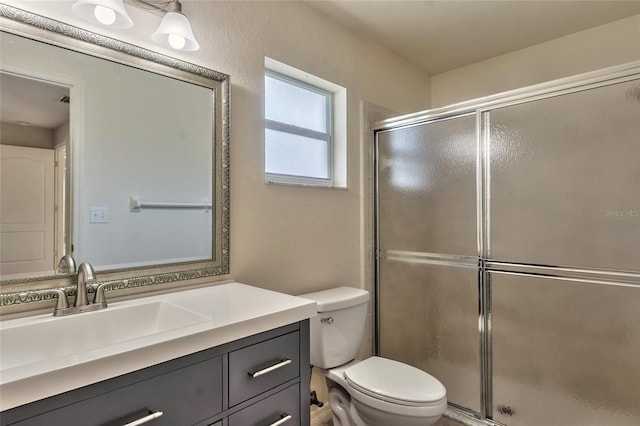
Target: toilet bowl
[(375, 391)]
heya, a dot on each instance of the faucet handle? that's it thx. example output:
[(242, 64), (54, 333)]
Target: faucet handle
[(99, 297), (62, 303)]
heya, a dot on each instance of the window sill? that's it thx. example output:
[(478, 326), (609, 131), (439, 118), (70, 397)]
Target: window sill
[(303, 184)]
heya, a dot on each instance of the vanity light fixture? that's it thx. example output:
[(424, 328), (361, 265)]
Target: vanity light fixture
[(174, 30), (105, 12)]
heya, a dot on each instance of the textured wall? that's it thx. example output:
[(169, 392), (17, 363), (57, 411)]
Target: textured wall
[(287, 238)]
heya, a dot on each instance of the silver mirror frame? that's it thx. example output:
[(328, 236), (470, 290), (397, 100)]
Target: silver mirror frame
[(42, 29)]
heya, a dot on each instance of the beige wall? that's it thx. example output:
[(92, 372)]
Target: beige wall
[(285, 238), (600, 47), (34, 137), (296, 239)]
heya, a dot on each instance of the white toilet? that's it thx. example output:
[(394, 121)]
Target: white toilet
[(373, 392)]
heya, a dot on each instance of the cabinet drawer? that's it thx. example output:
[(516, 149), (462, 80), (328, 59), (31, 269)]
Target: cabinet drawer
[(184, 396), (283, 407), (263, 366)]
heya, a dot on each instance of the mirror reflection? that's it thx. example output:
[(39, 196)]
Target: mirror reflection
[(34, 140), (127, 134)]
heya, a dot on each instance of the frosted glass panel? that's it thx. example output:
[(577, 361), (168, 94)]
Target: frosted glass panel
[(429, 319), (289, 154), (565, 353), (565, 180), (295, 105), (427, 187)]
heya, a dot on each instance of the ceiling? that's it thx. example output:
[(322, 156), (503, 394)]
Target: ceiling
[(441, 35), (32, 102)]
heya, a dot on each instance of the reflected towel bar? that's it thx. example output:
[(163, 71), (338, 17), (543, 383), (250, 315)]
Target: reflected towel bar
[(135, 205)]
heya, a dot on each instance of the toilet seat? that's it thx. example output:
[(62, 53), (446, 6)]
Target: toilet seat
[(395, 382), (362, 400)]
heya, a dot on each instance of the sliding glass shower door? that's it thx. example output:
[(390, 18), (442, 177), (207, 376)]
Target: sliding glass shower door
[(508, 254), (565, 179), (565, 351), (428, 315), (564, 213)]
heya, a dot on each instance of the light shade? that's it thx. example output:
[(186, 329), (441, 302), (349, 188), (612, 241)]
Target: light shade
[(175, 32), (104, 12)]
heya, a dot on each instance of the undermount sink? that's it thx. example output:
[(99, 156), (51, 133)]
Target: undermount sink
[(83, 335)]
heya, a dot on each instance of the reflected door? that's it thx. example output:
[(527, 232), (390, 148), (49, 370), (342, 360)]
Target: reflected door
[(27, 204)]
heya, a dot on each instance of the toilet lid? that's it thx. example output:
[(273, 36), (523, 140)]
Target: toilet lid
[(394, 381)]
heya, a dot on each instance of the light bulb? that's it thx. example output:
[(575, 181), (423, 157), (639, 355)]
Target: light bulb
[(175, 32), (105, 15), (176, 41)]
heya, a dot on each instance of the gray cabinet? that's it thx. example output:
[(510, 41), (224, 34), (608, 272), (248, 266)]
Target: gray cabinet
[(184, 396), (260, 379), (280, 407), (263, 366)]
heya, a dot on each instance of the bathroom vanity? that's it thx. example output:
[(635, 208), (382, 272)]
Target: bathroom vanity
[(243, 360)]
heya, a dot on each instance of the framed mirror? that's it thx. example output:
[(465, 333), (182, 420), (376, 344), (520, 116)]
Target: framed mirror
[(134, 179)]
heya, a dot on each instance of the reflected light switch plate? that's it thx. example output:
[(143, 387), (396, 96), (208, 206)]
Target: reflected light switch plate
[(98, 215)]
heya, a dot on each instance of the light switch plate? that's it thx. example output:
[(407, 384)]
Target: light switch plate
[(98, 215)]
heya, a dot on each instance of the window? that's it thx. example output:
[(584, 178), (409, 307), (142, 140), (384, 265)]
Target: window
[(305, 128)]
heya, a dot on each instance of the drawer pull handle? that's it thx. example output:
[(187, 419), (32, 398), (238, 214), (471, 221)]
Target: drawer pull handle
[(145, 419), (283, 419), (259, 373)]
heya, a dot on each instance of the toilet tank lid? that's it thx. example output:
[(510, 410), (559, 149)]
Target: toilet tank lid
[(337, 298)]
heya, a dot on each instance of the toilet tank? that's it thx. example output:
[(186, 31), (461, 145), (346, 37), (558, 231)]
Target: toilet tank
[(336, 332)]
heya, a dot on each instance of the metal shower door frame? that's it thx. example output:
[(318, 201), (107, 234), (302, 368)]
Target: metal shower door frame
[(482, 108)]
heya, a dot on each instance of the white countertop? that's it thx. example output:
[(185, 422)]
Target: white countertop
[(229, 312)]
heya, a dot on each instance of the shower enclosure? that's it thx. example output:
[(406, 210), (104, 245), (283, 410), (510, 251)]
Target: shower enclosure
[(508, 250)]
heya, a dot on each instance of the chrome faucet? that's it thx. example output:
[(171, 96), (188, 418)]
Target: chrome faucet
[(86, 275), (86, 278), (67, 265)]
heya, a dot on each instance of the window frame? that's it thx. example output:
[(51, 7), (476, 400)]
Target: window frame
[(278, 126)]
